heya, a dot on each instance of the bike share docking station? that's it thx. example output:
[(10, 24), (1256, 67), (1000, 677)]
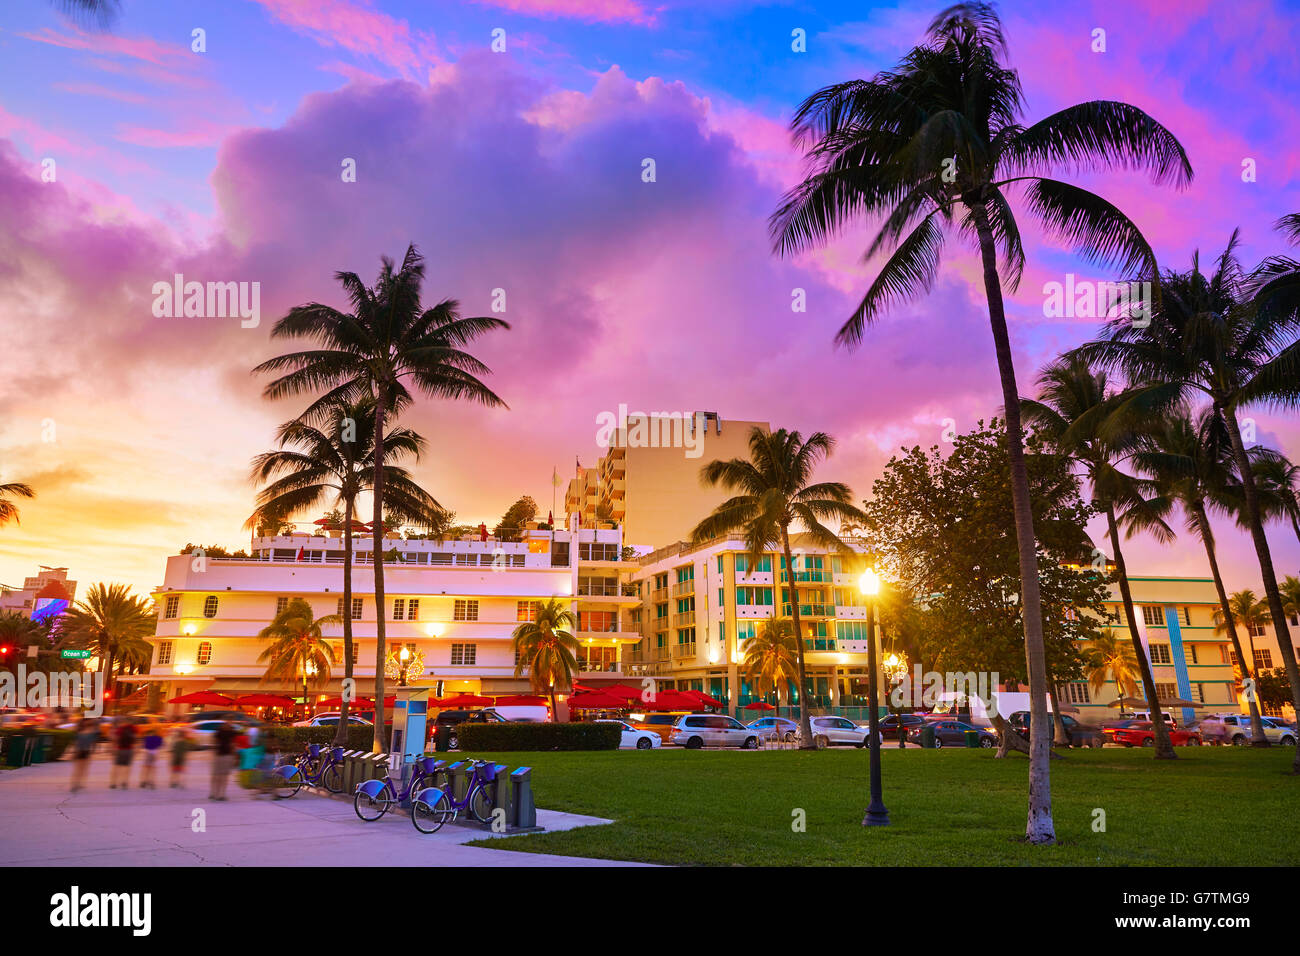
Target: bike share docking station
[(511, 792)]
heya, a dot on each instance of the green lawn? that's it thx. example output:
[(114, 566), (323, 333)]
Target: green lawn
[(1214, 806)]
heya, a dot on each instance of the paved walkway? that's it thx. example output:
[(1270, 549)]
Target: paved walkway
[(42, 824)]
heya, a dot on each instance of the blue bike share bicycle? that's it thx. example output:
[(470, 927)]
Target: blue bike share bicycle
[(374, 798), (434, 806), (310, 769)]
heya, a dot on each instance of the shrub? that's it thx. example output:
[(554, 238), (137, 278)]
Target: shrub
[(540, 736), (60, 742), (294, 739)]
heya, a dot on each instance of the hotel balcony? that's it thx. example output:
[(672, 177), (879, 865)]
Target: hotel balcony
[(808, 577), (684, 651), (685, 619), (809, 610), (658, 595), (683, 588)]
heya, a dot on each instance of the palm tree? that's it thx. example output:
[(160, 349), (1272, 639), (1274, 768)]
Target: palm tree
[(772, 657), (548, 650), (1108, 657), (937, 142), (9, 510), (773, 491), (97, 14), (1190, 462), (1277, 483), (298, 647), (108, 621), (386, 341), (1217, 337), (17, 633), (334, 465), (1245, 611), (1074, 414)]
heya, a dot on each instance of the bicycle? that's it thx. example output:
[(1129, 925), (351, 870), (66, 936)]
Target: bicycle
[(376, 797), (434, 806), (310, 770)]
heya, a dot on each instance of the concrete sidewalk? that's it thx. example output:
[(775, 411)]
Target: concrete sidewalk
[(42, 824)]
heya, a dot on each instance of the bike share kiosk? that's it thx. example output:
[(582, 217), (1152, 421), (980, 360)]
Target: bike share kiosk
[(410, 722)]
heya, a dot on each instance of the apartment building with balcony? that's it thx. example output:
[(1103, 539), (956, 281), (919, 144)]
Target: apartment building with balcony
[(455, 602), (700, 604), (1260, 643), (649, 478)]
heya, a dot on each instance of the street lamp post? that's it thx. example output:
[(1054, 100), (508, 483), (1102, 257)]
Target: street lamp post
[(877, 815), (403, 657)]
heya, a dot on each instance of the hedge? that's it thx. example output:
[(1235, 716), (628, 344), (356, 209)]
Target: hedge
[(539, 736), (295, 739), (60, 742)]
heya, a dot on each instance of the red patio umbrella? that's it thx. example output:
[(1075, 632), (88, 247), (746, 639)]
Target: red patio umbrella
[(357, 703), (703, 698), (622, 691), (759, 705), (203, 697), (465, 700), (593, 700), (670, 700), (521, 700), (265, 700)]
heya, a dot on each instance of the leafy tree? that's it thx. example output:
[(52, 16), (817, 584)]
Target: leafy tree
[(938, 142), (941, 529), (1109, 657), (515, 520), (771, 658), (213, 551), (773, 491), (387, 341), (547, 649)]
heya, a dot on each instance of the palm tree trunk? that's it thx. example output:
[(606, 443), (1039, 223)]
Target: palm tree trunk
[(1164, 747), (1257, 738), (1265, 561), (1062, 735), (109, 681), (805, 726), (340, 738), (1039, 828), (380, 744)]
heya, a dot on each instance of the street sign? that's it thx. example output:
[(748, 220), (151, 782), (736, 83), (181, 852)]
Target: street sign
[(69, 654)]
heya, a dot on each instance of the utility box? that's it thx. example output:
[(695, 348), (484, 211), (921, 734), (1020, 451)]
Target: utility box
[(524, 810)]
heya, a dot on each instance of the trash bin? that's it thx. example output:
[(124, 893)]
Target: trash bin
[(927, 736), (972, 739), (41, 747), (442, 737)]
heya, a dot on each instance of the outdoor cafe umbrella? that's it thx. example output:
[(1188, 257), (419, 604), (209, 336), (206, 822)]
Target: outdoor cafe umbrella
[(203, 697), (265, 700), (671, 700), (465, 700), (1127, 702), (759, 705), (1177, 702), (703, 698), (622, 691), (594, 700), (356, 703)]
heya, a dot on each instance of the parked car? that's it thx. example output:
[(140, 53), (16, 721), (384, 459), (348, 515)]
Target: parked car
[(331, 719), (204, 732), (715, 730), (660, 723), (1170, 719), (889, 725), (454, 718), (952, 733), (771, 728), (829, 731), (1235, 729), (635, 739), (1142, 733), (1081, 735)]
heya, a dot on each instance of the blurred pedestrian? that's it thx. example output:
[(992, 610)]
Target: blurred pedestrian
[(123, 752), (223, 761), (153, 741), (83, 746), (180, 746)]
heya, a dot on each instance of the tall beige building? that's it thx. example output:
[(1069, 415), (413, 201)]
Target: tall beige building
[(649, 478)]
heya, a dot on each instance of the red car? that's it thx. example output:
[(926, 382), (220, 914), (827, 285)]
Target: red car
[(1142, 733)]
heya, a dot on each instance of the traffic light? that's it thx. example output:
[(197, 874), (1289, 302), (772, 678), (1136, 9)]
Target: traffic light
[(4, 650)]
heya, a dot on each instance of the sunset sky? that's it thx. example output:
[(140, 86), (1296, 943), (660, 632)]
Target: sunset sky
[(522, 171)]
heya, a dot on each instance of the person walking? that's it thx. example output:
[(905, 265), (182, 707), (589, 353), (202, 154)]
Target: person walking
[(153, 741), (223, 761), (83, 746), (180, 746), (124, 751)]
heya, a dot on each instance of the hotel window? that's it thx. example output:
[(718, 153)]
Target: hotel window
[(1256, 629), (356, 651), (661, 610), (597, 552), (598, 621), (848, 597), (1153, 615), (1263, 659), (280, 604), (1074, 692), (164, 652), (719, 564), (851, 630), (1189, 653), (1160, 654), (686, 574), (1187, 616), (205, 652), (399, 609), (685, 605), (356, 609), (464, 654), (172, 606), (413, 609), (744, 631), (1198, 693), (686, 635), (722, 600), (661, 581), (1166, 691), (762, 566), (746, 595), (525, 610), (210, 606), (465, 611)]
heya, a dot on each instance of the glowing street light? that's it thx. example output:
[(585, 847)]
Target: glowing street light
[(877, 815)]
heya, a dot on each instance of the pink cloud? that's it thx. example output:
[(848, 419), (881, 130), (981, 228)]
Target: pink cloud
[(355, 25), (594, 11)]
